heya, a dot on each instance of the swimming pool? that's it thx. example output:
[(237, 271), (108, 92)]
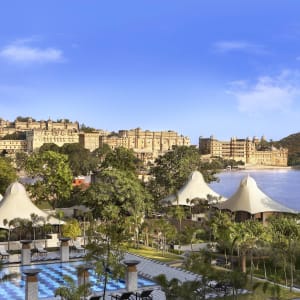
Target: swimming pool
[(51, 277)]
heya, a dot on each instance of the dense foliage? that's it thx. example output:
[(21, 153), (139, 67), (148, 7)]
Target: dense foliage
[(81, 160), (52, 174), (116, 187), (172, 170), (122, 159), (292, 142), (7, 174)]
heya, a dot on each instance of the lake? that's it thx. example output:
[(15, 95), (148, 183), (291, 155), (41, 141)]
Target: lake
[(282, 185)]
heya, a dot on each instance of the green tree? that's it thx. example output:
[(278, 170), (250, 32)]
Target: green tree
[(20, 160), (247, 236), (119, 188), (106, 243), (71, 229), (176, 290), (165, 232), (116, 195), (49, 147), (23, 227), (172, 169), (285, 239), (223, 231), (101, 152), (122, 159), (35, 222), (81, 160), (7, 174), (70, 290), (178, 213), (53, 174)]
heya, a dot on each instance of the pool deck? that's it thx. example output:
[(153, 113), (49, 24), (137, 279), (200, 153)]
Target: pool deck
[(147, 268)]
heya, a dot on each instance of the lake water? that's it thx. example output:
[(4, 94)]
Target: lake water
[(282, 185)]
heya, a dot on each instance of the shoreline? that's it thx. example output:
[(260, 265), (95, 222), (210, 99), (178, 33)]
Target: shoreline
[(259, 167)]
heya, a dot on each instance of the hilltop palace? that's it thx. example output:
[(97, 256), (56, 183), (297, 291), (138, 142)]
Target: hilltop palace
[(30, 135), (147, 145)]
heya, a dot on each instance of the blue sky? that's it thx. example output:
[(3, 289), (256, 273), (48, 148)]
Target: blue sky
[(227, 68)]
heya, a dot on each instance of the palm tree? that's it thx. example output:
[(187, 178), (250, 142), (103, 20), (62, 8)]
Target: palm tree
[(59, 215), (35, 221), (6, 222), (70, 291), (285, 235), (176, 290), (179, 214)]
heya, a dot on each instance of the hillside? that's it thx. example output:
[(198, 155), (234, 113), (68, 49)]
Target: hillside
[(292, 142)]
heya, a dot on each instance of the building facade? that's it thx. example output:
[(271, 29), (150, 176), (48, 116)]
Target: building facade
[(28, 124), (91, 140), (38, 137), (10, 147), (147, 145), (246, 150)]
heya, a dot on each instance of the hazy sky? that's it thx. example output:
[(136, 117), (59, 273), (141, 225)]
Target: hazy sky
[(199, 67)]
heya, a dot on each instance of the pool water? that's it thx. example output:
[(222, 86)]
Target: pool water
[(51, 277)]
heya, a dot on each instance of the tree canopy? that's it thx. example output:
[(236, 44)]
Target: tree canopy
[(52, 174), (116, 187), (81, 160), (122, 159), (172, 169), (7, 174)]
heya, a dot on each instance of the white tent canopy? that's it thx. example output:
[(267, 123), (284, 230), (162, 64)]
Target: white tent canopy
[(16, 204), (249, 198), (194, 188)]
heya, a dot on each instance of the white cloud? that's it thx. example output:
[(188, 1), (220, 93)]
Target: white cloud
[(267, 94), (21, 52), (242, 46)]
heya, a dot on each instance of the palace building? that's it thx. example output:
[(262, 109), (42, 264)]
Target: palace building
[(28, 124), (31, 135), (147, 145), (250, 151)]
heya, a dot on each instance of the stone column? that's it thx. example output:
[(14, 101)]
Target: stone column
[(26, 252), (31, 289), (64, 249), (131, 275)]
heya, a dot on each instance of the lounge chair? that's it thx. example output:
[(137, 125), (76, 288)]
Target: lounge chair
[(124, 296), (95, 297), (40, 250), (144, 295), (78, 247), (3, 253)]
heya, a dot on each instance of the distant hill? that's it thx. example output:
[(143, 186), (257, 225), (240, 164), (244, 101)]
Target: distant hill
[(292, 142)]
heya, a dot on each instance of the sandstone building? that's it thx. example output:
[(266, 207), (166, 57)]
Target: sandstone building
[(38, 137), (28, 124), (247, 150), (147, 145)]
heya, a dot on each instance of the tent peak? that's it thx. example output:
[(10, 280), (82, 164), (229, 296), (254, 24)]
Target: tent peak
[(248, 181), (15, 188)]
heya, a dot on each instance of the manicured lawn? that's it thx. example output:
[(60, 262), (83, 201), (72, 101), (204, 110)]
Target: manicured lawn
[(157, 255), (258, 294)]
